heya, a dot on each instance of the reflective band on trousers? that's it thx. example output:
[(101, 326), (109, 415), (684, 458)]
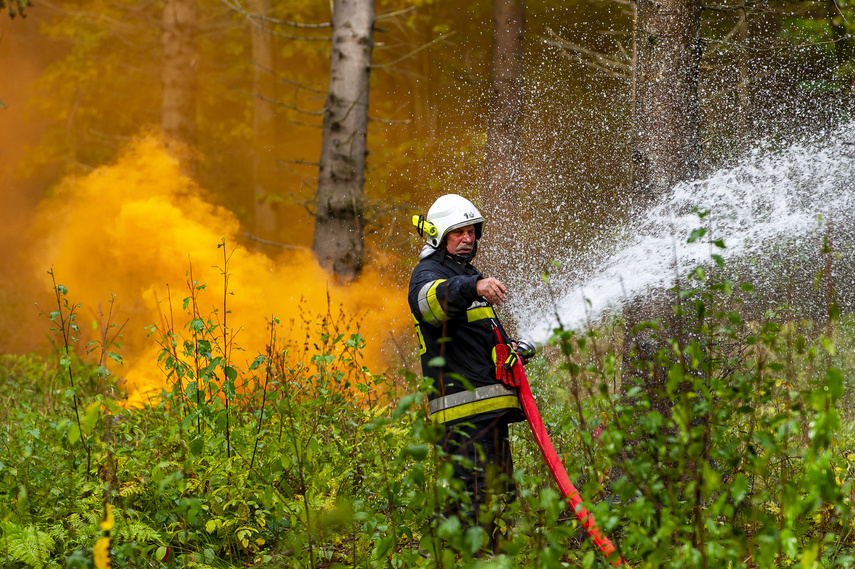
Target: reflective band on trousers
[(467, 403)]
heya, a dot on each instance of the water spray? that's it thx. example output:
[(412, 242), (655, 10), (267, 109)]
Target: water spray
[(773, 206)]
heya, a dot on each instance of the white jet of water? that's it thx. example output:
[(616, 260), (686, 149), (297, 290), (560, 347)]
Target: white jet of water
[(777, 193)]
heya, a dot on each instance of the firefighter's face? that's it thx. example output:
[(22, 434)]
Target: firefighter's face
[(460, 240)]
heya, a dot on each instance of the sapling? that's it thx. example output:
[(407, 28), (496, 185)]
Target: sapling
[(64, 317)]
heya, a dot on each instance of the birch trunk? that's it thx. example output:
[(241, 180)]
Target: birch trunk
[(338, 240)]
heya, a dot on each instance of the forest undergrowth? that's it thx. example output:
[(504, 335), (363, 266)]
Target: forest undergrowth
[(307, 459)]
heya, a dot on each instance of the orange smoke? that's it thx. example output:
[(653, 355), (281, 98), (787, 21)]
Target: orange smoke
[(135, 229)]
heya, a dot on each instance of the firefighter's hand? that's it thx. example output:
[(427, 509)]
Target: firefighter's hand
[(492, 289), (523, 359), (507, 362)]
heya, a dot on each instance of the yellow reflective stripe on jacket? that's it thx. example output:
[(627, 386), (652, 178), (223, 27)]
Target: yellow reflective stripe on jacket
[(422, 345), (475, 408), (429, 304), (480, 313)]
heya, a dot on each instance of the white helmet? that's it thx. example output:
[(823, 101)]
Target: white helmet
[(450, 212)]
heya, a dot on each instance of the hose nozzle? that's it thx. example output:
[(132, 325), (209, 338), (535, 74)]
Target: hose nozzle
[(525, 349)]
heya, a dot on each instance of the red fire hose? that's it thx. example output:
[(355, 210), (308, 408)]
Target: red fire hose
[(559, 473)]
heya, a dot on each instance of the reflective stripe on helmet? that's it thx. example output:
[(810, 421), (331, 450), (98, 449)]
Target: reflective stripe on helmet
[(429, 304), (468, 403)]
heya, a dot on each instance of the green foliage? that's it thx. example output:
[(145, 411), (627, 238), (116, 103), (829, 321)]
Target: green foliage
[(832, 32), (741, 457), (16, 7), (26, 544)]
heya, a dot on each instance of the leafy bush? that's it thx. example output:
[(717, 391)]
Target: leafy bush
[(307, 459)]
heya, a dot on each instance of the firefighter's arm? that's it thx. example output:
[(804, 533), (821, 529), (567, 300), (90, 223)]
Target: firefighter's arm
[(436, 299)]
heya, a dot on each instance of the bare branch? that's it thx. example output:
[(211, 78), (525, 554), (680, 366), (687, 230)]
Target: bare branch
[(413, 52), (116, 137), (305, 124), (623, 51), (275, 244), (288, 81), (234, 5), (594, 59), (578, 59), (394, 14), (290, 37), (281, 104), (86, 16), (389, 121), (296, 172)]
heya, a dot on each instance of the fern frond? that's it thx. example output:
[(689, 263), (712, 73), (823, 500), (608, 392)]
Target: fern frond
[(26, 544), (132, 488), (135, 530)]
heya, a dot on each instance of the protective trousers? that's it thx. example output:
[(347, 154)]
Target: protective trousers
[(487, 473)]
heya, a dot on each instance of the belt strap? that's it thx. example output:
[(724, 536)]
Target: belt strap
[(467, 403)]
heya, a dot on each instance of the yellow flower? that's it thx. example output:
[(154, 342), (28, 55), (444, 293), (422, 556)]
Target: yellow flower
[(101, 553), (109, 521)]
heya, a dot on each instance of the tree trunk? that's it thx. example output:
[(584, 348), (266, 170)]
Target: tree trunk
[(263, 155), (180, 60), (504, 134), (338, 240), (665, 151), (666, 116), (743, 94)]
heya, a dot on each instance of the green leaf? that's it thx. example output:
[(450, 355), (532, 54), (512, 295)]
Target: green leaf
[(449, 528), (73, 434), (383, 546), (834, 381), (588, 559), (675, 377), (834, 311), (257, 362), (696, 234), (417, 452), (809, 555), (739, 488), (90, 418), (23, 504), (475, 536), (229, 389)]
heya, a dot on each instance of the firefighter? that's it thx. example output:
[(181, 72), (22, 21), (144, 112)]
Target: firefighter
[(467, 353)]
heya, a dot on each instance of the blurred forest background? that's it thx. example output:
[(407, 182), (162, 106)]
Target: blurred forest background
[(160, 175), (88, 96)]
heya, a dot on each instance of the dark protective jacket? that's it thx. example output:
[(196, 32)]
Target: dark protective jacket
[(457, 331)]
